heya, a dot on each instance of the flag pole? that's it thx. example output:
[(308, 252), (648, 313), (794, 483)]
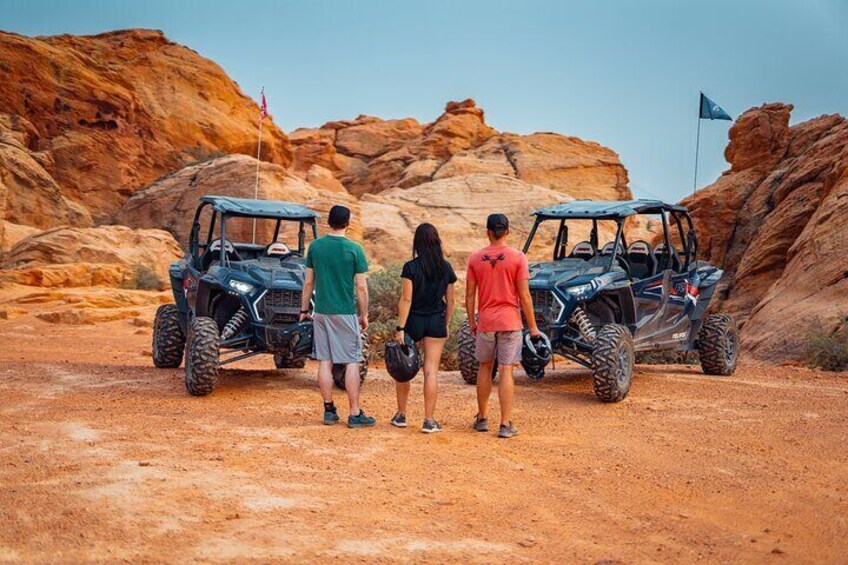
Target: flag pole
[(258, 155), (697, 145)]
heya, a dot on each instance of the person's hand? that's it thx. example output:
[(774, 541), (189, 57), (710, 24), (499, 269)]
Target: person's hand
[(534, 332), (305, 316), (399, 337), (363, 321), (472, 326)]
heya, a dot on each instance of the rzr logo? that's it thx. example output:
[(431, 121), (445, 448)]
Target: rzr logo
[(494, 260)]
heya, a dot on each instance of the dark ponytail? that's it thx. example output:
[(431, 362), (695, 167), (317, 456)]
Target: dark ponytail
[(428, 245)]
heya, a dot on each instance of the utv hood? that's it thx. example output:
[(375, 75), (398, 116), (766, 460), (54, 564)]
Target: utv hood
[(566, 272), (270, 272)]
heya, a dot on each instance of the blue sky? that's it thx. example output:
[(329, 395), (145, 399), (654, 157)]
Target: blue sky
[(625, 73)]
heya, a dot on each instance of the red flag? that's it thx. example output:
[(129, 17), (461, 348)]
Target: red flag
[(264, 106)]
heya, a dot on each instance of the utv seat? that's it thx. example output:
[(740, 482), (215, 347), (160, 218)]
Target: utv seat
[(277, 249), (662, 254), (583, 250), (607, 249), (621, 256), (640, 257), (213, 254)]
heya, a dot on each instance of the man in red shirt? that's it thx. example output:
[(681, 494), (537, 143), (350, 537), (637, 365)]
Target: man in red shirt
[(498, 277)]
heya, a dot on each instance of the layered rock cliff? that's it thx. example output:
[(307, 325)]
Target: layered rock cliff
[(776, 222), (85, 121), (370, 155)]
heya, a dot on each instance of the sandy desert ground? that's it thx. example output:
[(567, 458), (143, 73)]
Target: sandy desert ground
[(104, 458)]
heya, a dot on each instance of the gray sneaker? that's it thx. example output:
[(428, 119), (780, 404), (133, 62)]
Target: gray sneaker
[(431, 427), (360, 420), (507, 431), (481, 424), (398, 420)]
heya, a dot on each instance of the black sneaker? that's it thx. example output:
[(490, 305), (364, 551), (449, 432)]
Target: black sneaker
[(507, 431), (398, 420), (431, 427), (481, 424), (360, 420)]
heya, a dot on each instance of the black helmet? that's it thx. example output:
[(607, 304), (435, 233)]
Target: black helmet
[(536, 353), (402, 361)]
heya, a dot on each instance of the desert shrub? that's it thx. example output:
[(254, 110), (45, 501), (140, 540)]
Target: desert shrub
[(384, 289), (144, 278), (825, 348), (384, 292)]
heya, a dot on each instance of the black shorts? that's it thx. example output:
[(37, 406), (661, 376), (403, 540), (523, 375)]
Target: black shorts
[(419, 326)]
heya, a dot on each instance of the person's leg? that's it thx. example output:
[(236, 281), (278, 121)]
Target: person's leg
[(325, 380), (506, 391), (484, 351), (321, 352), (352, 386), (509, 355), (433, 347), (402, 390), (484, 388)]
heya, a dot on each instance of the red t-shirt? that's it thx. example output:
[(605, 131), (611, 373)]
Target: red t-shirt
[(497, 271)]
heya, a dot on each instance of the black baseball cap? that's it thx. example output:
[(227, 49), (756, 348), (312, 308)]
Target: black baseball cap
[(497, 222)]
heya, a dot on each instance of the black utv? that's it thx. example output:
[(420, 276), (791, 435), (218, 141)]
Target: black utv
[(599, 304), (235, 300)]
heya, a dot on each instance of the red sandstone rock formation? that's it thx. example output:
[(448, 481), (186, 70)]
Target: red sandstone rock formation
[(99, 117), (777, 223)]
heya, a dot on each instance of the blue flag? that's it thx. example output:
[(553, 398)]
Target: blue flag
[(712, 111)]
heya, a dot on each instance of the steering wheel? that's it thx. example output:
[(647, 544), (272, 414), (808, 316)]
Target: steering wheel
[(622, 262)]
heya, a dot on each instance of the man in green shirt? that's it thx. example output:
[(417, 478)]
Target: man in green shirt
[(335, 269)]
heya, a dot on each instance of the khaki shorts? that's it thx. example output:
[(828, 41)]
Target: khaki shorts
[(506, 346)]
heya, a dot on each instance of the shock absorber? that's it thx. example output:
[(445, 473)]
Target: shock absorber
[(232, 327), (581, 320)]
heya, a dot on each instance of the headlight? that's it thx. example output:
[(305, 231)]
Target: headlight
[(240, 286), (579, 292)]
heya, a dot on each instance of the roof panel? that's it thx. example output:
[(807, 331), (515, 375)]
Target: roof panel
[(609, 209), (259, 208)]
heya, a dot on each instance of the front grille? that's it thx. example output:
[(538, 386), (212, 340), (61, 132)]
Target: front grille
[(280, 306), (546, 308)]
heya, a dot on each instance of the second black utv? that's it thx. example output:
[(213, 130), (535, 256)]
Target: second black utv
[(600, 304)]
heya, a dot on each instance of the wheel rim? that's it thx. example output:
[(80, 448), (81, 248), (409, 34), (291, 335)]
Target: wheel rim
[(729, 347), (623, 365)]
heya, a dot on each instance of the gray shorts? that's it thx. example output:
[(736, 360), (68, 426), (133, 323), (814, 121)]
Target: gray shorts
[(505, 345), (336, 338)]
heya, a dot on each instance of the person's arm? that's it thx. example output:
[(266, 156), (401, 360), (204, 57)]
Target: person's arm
[(306, 297), (361, 280), (523, 284), (362, 299), (450, 300), (471, 304), (527, 307), (403, 307)]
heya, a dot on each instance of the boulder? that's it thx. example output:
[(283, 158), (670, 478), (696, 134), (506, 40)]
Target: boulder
[(105, 255)]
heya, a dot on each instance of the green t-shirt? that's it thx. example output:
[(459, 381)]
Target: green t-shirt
[(336, 261)]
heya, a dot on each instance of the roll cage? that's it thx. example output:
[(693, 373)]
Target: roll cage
[(224, 208), (619, 211)]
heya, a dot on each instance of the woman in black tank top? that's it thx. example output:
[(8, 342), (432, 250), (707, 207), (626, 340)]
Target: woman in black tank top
[(424, 314)]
